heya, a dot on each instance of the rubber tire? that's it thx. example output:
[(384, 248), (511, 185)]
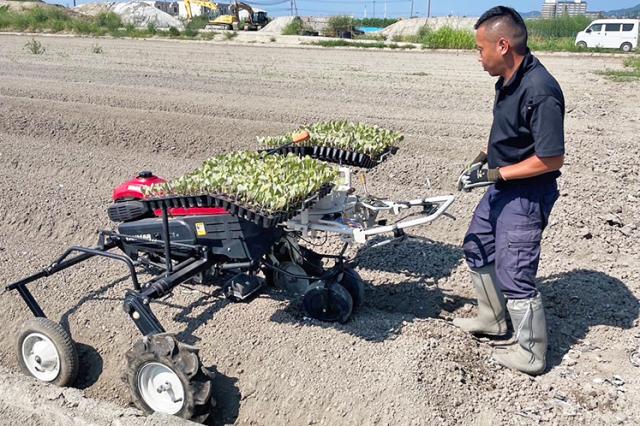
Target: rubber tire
[(626, 47), (353, 283), (329, 303), (69, 363), (581, 45), (184, 361)]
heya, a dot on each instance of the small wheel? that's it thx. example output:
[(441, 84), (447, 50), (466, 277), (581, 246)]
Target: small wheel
[(355, 286), (46, 351), (626, 47), (166, 376), (581, 45), (330, 302), (292, 285)]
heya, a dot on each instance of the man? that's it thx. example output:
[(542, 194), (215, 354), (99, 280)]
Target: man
[(520, 168)]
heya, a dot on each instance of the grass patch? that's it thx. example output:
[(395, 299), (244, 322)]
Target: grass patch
[(294, 27), (374, 22), (297, 27), (35, 47), (347, 43), (230, 35), (446, 38), (630, 73), (370, 36), (564, 26), (208, 35)]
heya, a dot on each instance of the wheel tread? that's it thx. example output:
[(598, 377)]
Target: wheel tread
[(184, 360), (69, 361)]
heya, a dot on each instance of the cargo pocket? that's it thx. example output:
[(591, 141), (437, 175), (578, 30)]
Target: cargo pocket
[(523, 251)]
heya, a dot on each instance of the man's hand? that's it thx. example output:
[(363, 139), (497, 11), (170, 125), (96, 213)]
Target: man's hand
[(477, 178), (476, 164)]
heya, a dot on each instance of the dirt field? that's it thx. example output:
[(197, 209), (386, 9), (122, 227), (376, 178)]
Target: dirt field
[(74, 124)]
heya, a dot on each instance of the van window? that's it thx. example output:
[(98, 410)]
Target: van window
[(627, 27), (612, 27), (596, 27)]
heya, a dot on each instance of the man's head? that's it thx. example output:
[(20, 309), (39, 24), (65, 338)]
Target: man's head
[(501, 37)]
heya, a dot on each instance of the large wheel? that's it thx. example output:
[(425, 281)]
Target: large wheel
[(46, 351), (352, 282), (328, 302), (626, 47), (166, 376)]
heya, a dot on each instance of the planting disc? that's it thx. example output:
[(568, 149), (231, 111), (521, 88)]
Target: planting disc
[(292, 285), (330, 302)]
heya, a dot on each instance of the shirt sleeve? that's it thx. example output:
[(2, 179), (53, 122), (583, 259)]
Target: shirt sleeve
[(547, 125)]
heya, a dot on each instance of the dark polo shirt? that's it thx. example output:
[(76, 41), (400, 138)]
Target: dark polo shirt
[(528, 118)]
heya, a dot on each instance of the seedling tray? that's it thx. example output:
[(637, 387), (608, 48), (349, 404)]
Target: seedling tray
[(238, 208), (335, 155)]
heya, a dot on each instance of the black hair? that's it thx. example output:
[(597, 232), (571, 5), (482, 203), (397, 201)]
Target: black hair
[(513, 19)]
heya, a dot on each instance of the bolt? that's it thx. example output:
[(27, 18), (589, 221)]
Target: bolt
[(136, 315)]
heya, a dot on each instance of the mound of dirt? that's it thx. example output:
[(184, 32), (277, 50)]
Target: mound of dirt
[(409, 27), (25, 5), (93, 9), (278, 24), (24, 400), (139, 14)]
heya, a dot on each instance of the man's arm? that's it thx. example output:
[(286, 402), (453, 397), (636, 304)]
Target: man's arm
[(532, 166)]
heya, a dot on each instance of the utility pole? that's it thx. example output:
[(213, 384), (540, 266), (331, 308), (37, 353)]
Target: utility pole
[(385, 9), (374, 9), (411, 14), (428, 8), (291, 6), (365, 9)]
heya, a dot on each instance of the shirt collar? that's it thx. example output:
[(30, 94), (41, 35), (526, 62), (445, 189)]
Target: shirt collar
[(527, 63)]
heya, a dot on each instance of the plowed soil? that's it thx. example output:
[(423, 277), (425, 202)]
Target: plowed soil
[(75, 124)]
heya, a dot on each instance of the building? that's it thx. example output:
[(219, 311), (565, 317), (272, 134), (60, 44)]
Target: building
[(170, 7), (556, 8)]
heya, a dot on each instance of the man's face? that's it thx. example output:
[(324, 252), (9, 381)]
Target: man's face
[(491, 51)]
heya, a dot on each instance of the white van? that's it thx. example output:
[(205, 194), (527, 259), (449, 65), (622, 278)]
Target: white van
[(610, 34)]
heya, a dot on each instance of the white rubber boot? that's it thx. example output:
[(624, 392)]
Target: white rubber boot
[(491, 305), (530, 327)]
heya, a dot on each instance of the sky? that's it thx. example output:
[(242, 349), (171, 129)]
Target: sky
[(399, 8)]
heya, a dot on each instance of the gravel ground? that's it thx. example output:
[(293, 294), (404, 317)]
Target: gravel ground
[(74, 124)]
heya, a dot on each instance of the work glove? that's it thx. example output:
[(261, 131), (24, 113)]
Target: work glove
[(477, 178), (476, 164)]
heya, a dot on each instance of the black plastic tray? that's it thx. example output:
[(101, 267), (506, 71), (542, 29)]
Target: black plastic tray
[(334, 155), (236, 208)]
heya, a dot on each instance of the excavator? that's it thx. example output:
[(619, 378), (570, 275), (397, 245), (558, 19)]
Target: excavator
[(255, 20), (229, 21), (216, 18)]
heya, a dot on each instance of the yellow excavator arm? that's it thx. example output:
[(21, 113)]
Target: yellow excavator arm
[(206, 4), (226, 21)]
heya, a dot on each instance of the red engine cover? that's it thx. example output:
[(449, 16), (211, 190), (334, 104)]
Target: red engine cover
[(133, 188)]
